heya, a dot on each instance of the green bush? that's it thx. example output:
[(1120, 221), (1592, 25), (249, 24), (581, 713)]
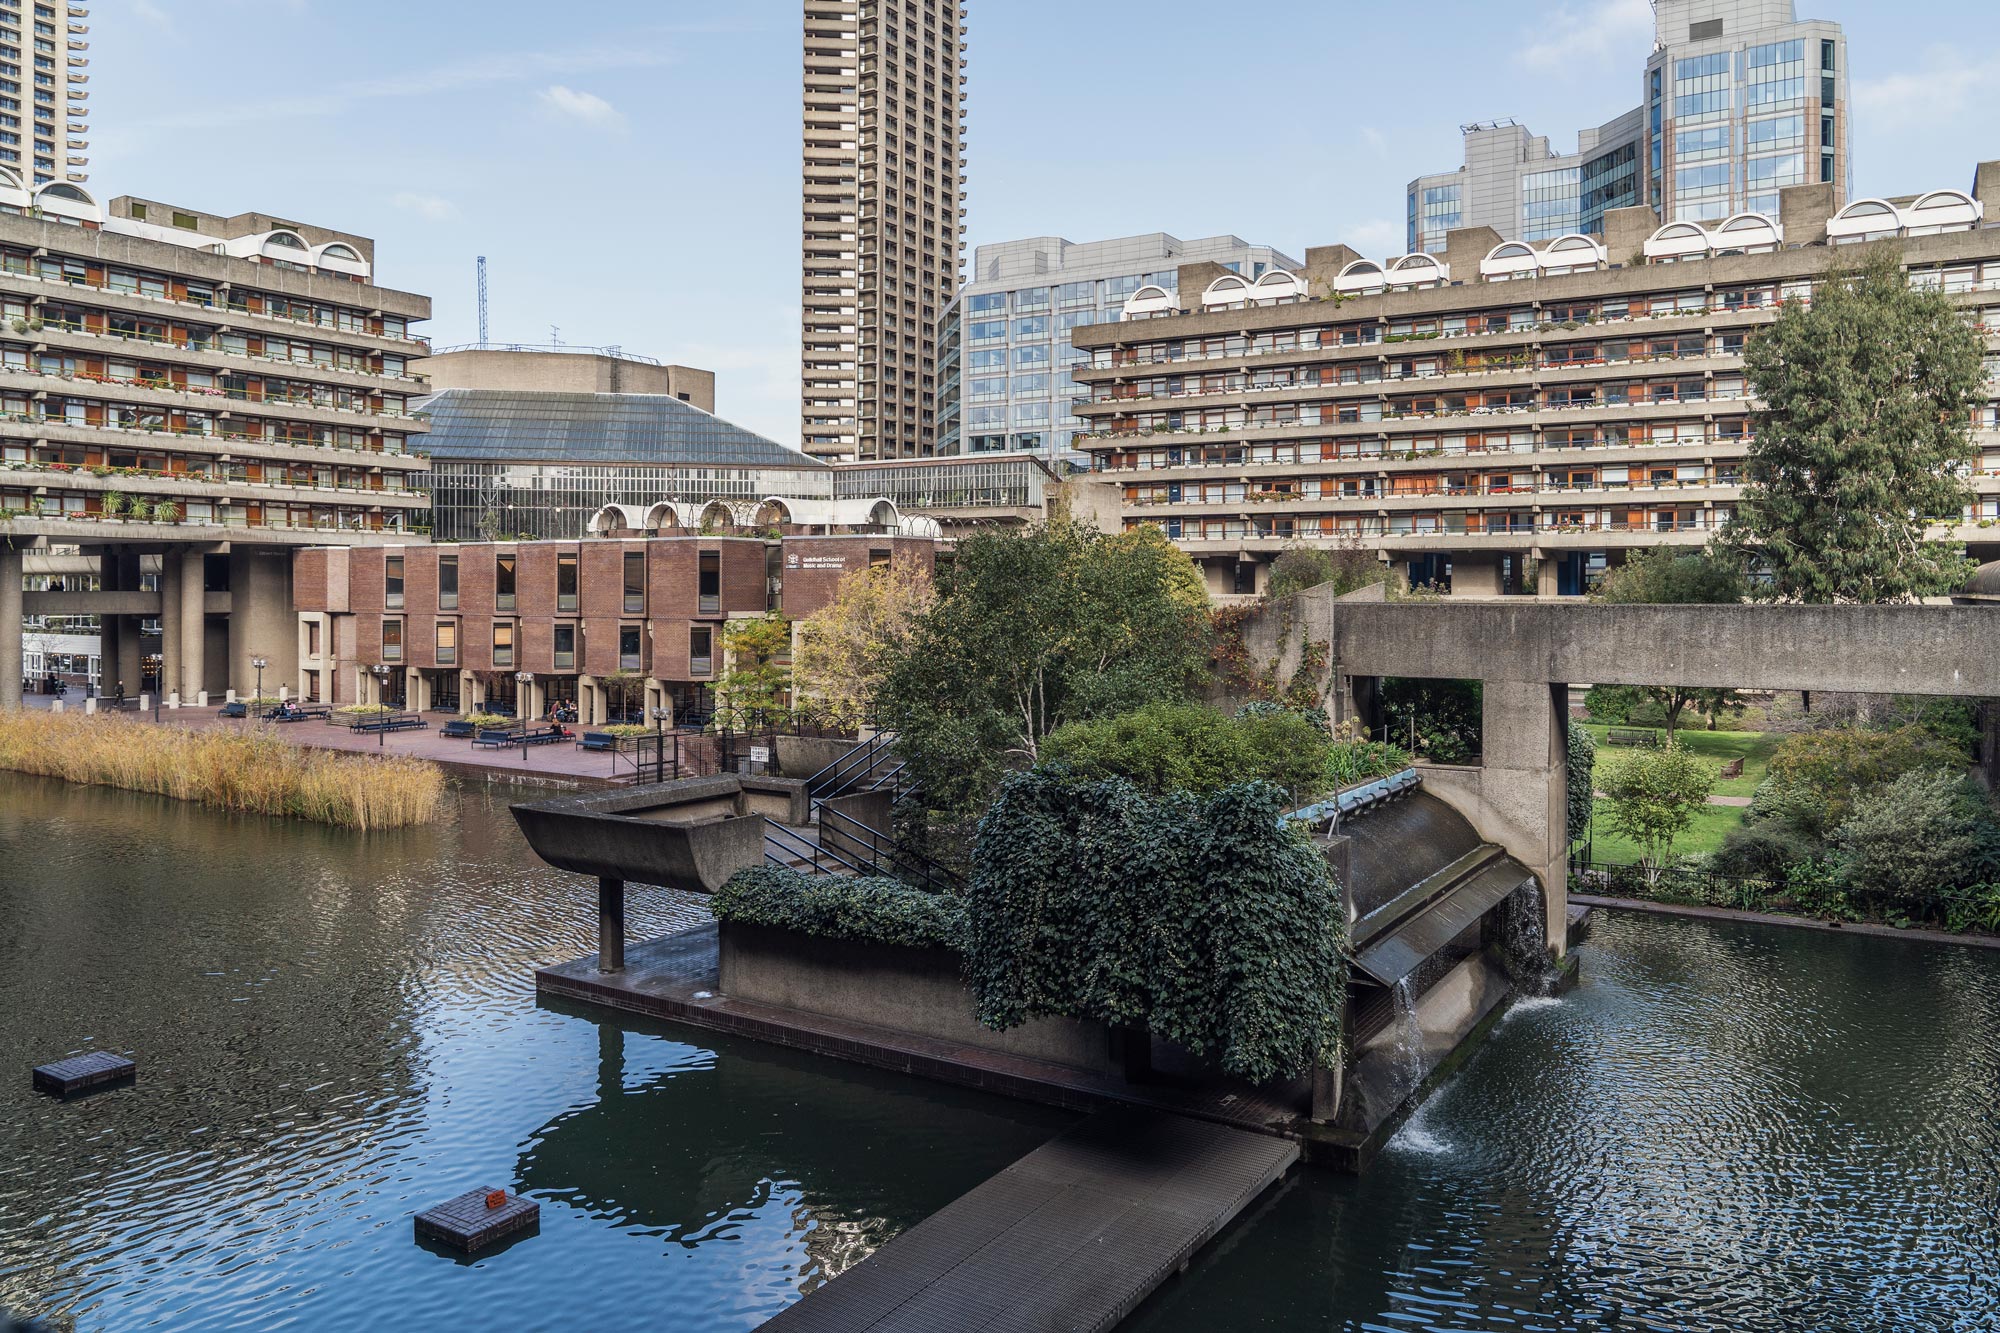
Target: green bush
[(1168, 747), (1442, 716), (884, 911), (1817, 777), (1911, 843), (1352, 761), (1579, 790), (1206, 920), (1763, 849), (487, 719)]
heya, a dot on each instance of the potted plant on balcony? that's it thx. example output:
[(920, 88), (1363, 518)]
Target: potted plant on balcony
[(114, 503)]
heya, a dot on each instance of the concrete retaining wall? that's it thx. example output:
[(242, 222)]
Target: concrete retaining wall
[(889, 986), (803, 756)]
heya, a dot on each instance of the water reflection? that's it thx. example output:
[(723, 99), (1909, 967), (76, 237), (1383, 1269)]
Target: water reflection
[(337, 1030)]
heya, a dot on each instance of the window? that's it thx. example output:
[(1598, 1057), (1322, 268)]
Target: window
[(635, 582), (392, 582), (447, 583), (503, 643), (565, 647), (878, 558), (628, 648), (701, 650), (312, 639), (138, 212), (392, 641), (503, 581), (708, 583), (447, 642), (566, 581), (774, 578)]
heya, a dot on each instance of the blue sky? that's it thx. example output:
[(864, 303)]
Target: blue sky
[(634, 178)]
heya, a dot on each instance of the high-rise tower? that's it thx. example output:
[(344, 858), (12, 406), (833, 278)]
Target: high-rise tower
[(884, 203), (42, 63)]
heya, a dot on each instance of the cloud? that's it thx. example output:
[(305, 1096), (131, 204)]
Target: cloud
[(1948, 88), (1576, 35), (429, 207), (585, 108)]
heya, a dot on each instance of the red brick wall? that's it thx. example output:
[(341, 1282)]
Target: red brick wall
[(309, 579), (743, 578), (364, 582), (601, 578), (475, 579), (537, 646), (670, 579), (535, 577)]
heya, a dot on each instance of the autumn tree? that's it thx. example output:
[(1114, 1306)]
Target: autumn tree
[(1864, 436), (846, 648), (759, 674)]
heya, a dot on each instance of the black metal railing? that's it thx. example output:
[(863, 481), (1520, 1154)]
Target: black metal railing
[(884, 855), (782, 847)]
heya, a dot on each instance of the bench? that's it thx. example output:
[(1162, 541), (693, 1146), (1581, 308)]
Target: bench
[(390, 722), (542, 736), (496, 739), (300, 714), (596, 740), (1732, 769), (532, 736), (233, 709), (1628, 736), (457, 729)]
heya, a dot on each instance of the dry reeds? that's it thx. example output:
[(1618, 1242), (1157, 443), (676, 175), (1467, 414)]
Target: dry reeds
[(245, 771)]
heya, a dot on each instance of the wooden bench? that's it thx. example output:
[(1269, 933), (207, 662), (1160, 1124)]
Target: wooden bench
[(1732, 769), (1630, 736), (596, 740), (541, 736), (496, 739), (388, 722)]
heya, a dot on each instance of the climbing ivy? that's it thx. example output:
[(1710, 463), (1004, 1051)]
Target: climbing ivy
[(1208, 920), (886, 911)]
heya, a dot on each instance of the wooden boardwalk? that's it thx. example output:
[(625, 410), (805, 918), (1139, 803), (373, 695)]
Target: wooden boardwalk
[(1073, 1236)]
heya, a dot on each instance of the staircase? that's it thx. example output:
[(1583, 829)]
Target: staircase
[(870, 767)]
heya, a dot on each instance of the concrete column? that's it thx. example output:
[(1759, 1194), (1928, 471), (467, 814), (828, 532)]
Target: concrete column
[(1522, 785), (10, 626), (610, 925), (417, 690), (261, 620), (193, 677), (170, 624)]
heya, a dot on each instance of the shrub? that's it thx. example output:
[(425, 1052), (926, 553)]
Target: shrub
[(1579, 783), (1652, 796), (1167, 747), (484, 720), (1352, 761), (1612, 704), (1206, 920), (880, 910), (1817, 777), (1913, 841), (1763, 849), (1442, 716)]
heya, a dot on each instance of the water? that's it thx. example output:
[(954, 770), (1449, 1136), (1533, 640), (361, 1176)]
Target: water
[(1726, 1128), (336, 1031)]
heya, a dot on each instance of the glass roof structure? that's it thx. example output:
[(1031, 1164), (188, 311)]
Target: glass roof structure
[(504, 425)]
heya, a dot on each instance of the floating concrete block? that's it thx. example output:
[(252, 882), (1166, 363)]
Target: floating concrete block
[(477, 1219), (90, 708), (56, 707), (201, 699), (94, 1069)]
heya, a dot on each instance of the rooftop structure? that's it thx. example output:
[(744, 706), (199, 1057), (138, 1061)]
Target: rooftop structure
[(1503, 417), (54, 111), (565, 368)]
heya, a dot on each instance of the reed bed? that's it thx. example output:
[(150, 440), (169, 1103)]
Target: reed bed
[(247, 771)]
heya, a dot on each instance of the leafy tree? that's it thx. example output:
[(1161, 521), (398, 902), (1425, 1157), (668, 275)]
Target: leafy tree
[(1298, 568), (759, 678), (622, 684), (1915, 842), (1579, 782), (1664, 575), (1816, 777), (847, 647), (1442, 717), (1863, 437), (1037, 628), (1652, 796), (1167, 747)]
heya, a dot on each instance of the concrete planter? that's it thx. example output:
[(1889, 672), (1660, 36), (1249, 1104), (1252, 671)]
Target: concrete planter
[(690, 834), (903, 989)]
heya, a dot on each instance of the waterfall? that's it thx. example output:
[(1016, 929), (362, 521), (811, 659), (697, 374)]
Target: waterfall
[(1409, 1039), (1524, 943)]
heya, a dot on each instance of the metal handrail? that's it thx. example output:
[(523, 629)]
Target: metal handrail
[(778, 839), (885, 851)]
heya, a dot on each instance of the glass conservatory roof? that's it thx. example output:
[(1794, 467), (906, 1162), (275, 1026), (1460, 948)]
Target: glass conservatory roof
[(521, 426)]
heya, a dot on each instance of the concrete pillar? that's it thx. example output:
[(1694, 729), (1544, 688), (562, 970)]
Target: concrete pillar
[(610, 925), (193, 677), (170, 624), (417, 690), (261, 620), (10, 625), (1524, 744)]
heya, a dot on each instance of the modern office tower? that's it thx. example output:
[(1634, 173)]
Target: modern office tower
[(1739, 99), (44, 112), (188, 399), (1003, 344), (884, 209), (1502, 417)]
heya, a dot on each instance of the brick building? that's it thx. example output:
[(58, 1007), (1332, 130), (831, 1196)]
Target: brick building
[(456, 624)]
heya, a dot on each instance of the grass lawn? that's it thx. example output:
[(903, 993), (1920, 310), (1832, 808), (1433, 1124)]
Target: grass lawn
[(1714, 822)]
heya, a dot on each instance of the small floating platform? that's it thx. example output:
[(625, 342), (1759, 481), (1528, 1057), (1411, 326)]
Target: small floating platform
[(470, 1223), (1073, 1236), (81, 1073)]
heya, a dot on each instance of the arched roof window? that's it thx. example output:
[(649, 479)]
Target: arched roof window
[(1278, 285), (1509, 259), (335, 250), (1359, 276), (1943, 210), (1229, 289), (1864, 219), (1149, 300), (1677, 240), (60, 190), (285, 240)]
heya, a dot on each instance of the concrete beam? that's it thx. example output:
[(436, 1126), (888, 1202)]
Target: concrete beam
[(10, 626), (111, 602)]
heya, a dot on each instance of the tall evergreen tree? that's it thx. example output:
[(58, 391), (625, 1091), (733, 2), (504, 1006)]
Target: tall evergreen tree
[(1863, 439)]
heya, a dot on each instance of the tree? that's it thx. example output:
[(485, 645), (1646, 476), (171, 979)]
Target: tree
[(1665, 576), (621, 683), (847, 647), (1039, 627), (1652, 796), (759, 678), (1912, 842), (1168, 747), (1815, 778), (1863, 437), (1346, 567)]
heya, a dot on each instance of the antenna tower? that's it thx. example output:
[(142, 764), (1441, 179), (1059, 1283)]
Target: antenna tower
[(482, 300)]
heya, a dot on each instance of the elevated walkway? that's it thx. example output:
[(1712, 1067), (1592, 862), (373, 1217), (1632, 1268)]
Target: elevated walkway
[(1072, 1236)]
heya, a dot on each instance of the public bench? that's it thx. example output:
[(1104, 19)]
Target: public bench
[(457, 729), (531, 736), (234, 708), (1631, 736), (300, 714), (1732, 769), (388, 722), (596, 740)]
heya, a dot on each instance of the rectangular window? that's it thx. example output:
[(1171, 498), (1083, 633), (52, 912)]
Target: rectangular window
[(392, 641), (447, 583), (447, 643), (708, 583), (566, 581), (503, 643), (312, 639), (503, 582), (628, 647), (565, 647), (635, 582), (774, 578), (392, 582), (701, 650)]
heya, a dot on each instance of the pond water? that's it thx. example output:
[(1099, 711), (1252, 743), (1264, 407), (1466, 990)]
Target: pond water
[(1726, 1128)]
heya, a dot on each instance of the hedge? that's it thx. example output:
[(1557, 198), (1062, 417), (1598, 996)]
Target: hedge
[(885, 911), (1207, 920)]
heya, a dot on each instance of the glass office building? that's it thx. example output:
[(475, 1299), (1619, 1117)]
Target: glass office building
[(1004, 353)]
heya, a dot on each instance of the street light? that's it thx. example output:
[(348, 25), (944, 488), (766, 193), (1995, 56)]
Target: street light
[(523, 679), (661, 716), (260, 663), (381, 687)]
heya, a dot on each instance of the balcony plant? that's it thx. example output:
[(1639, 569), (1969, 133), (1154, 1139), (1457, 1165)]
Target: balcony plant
[(166, 511)]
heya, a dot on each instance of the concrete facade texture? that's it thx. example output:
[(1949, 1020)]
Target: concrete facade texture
[(566, 370)]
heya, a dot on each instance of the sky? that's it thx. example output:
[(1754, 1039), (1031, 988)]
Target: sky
[(631, 168)]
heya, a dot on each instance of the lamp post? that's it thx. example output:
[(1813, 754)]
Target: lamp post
[(260, 663), (660, 718), (381, 672), (523, 679)]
